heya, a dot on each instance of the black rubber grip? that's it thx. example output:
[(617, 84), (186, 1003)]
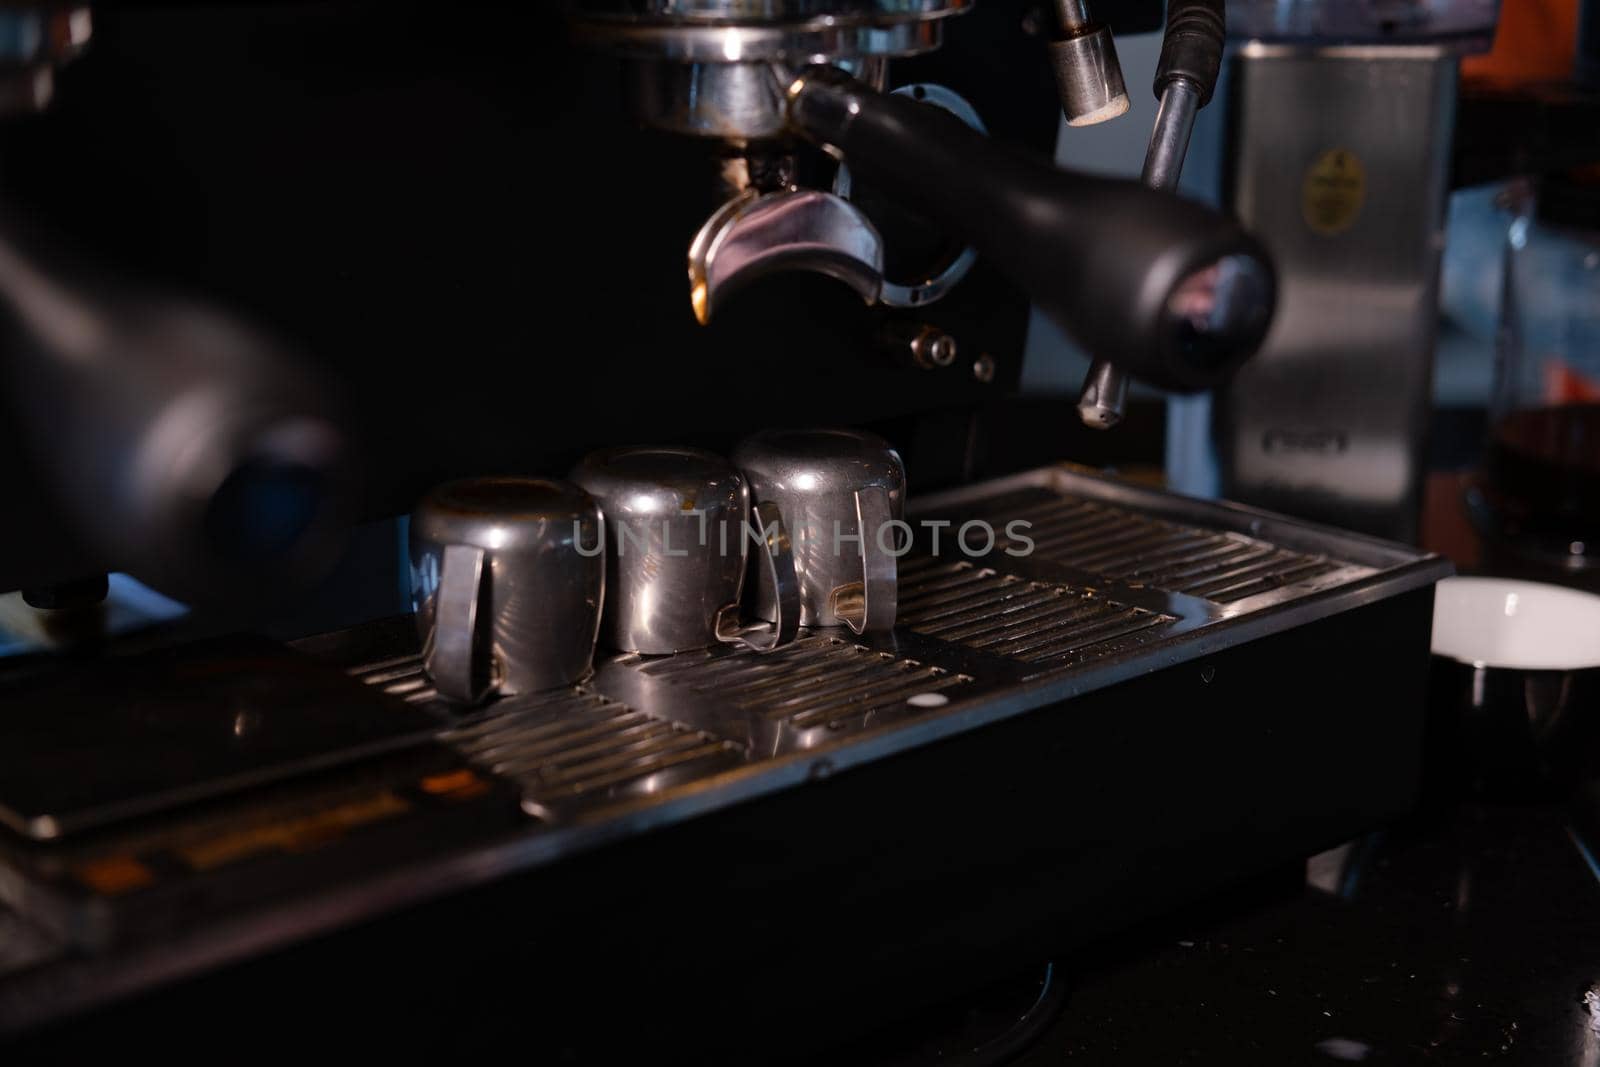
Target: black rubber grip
[(1191, 48)]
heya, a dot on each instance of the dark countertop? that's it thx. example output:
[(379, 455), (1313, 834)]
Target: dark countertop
[(1472, 938)]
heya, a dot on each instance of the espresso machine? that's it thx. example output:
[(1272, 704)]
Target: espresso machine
[(272, 273)]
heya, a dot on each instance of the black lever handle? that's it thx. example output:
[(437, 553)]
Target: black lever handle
[(189, 450), (1168, 290)]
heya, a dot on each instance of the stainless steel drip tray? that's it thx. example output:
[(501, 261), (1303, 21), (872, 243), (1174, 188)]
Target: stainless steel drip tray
[(1118, 581), (1121, 589)]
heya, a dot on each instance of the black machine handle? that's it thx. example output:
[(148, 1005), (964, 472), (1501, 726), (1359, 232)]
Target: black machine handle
[(183, 446), (1170, 291)]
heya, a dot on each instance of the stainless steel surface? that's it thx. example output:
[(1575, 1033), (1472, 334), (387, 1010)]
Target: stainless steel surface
[(840, 493), (678, 528), (695, 43), (1105, 388), (734, 101), (1072, 14), (575, 747), (798, 229), (738, 102), (730, 31), (915, 292), (1088, 76), (507, 578), (1102, 543), (452, 640), (1037, 622), (1103, 397), (648, 743), (1169, 138), (1329, 420), (722, 12), (777, 571), (1461, 25), (1101, 580)]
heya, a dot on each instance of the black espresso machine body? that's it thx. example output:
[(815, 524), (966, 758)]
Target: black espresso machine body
[(478, 255), (723, 856), (455, 221)]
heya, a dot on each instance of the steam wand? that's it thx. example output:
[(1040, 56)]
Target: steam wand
[(1191, 56)]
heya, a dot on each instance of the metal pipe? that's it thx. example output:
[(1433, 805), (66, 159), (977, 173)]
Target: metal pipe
[(1072, 14), (1084, 59), (1105, 388), (1186, 75), (1169, 139)]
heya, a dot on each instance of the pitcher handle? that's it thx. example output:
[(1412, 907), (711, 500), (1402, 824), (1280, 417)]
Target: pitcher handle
[(878, 589), (778, 553), (452, 644)]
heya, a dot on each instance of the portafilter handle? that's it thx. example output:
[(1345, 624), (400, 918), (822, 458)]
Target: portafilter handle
[(188, 449), (1172, 292)]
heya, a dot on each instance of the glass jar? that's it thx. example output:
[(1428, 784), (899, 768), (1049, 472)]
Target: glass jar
[(1542, 485)]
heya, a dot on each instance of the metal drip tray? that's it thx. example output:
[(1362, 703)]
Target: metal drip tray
[(1091, 530), (1119, 581), (1118, 545), (1036, 622), (1083, 731), (1089, 581)]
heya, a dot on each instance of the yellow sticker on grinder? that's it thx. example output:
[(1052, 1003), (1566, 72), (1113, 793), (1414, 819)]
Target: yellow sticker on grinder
[(1334, 189)]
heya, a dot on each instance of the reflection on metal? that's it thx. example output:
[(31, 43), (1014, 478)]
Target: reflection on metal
[(399, 676), (738, 102), (1088, 75), (574, 744), (1457, 25), (1117, 545), (1103, 397), (752, 236), (1001, 614), (728, 31), (820, 681), (1121, 581), (1330, 419), (772, 31), (1118, 582)]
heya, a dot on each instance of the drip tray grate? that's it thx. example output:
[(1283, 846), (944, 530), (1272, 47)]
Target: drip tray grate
[(567, 745), (1001, 614), (817, 681), (401, 676), (1122, 581), (576, 745), (1118, 545)]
